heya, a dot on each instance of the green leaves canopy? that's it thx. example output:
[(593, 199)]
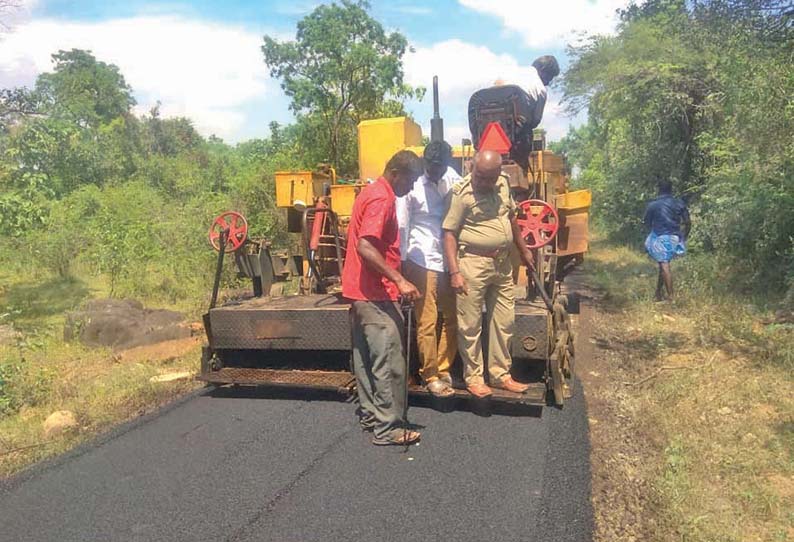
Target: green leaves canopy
[(700, 92), (342, 68)]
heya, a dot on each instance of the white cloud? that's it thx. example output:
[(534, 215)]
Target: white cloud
[(200, 70), (462, 69), (551, 24)]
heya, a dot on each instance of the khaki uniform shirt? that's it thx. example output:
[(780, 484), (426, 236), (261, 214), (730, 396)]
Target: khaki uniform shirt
[(482, 221)]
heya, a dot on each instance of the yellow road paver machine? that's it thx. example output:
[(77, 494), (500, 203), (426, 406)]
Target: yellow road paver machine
[(303, 340)]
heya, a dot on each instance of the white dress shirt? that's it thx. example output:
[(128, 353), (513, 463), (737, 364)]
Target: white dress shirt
[(537, 91), (419, 214)]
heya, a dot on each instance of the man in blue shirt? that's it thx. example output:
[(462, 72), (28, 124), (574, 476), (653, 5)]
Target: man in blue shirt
[(668, 219)]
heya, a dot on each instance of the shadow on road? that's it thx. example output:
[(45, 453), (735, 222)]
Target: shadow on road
[(483, 408)]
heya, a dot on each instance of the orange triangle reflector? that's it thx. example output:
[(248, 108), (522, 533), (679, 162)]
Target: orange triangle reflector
[(495, 139)]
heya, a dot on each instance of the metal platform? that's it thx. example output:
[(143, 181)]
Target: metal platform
[(343, 382), (339, 381), (299, 322), (321, 323)]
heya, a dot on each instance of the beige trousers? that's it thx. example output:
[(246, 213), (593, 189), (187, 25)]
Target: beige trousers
[(490, 283), (436, 349)]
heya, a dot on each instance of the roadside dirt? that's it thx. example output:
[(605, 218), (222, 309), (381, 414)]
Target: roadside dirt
[(621, 451), (163, 351)]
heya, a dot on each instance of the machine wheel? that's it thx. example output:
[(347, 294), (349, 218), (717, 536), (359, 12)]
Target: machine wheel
[(561, 364), (540, 222), (556, 379), (236, 226)]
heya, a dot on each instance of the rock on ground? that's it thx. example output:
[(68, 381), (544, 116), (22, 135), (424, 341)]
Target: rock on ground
[(59, 422), (123, 323)]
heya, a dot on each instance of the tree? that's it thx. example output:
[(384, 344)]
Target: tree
[(699, 92), (15, 105), (342, 68), (84, 90)]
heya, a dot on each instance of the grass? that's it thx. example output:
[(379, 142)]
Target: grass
[(709, 388), (41, 374)]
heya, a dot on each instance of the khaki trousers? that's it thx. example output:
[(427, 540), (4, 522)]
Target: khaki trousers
[(490, 282), (436, 350), (379, 365)]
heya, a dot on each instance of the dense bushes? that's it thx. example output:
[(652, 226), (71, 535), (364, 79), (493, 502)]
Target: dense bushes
[(87, 187), (700, 92)]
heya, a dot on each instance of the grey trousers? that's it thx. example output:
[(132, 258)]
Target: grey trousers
[(379, 365)]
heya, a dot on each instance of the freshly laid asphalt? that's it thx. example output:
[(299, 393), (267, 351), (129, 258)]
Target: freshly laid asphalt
[(241, 465)]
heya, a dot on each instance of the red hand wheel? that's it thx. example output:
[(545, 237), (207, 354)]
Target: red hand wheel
[(540, 223), (237, 226)]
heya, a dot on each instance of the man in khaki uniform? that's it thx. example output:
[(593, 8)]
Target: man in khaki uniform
[(479, 230)]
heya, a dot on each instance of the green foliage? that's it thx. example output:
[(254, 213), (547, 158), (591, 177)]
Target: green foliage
[(343, 67), (19, 387), (83, 89), (87, 187), (699, 93)]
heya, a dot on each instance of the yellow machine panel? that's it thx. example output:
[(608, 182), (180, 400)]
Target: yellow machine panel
[(342, 198), (298, 185), (580, 199), (574, 233), (379, 139)]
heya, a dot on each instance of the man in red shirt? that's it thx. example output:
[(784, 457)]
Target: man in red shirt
[(372, 281)]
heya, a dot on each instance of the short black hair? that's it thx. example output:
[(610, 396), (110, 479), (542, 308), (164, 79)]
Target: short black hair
[(665, 186), (405, 162), (547, 65), (438, 152)]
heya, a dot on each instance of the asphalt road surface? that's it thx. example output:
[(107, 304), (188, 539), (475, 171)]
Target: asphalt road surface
[(236, 465)]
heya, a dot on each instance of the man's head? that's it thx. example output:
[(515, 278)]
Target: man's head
[(665, 187), (437, 156), (547, 67), (486, 171), (402, 170)]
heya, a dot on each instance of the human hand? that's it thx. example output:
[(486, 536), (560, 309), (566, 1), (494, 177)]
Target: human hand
[(458, 283), (408, 291)]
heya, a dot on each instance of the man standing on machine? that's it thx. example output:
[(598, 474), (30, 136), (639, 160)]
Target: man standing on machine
[(371, 279), (479, 229), (420, 213), (543, 70), (527, 98)]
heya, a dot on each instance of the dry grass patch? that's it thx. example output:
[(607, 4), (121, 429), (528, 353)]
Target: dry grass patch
[(41, 374), (695, 407)]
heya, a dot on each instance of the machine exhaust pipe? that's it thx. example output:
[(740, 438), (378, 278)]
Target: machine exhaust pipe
[(436, 123)]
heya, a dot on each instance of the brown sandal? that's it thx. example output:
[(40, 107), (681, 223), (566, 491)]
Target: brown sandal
[(480, 391), (508, 384), (399, 438)]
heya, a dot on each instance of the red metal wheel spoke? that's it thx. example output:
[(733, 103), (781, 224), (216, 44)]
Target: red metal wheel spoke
[(236, 226), (541, 223)]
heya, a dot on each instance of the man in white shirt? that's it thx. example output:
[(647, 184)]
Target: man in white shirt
[(419, 215), (544, 69)]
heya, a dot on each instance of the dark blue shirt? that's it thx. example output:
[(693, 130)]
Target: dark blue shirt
[(665, 215)]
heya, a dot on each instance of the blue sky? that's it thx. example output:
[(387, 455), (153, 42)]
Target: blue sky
[(201, 59)]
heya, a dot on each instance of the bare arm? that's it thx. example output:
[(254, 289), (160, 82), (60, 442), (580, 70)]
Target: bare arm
[(521, 245), (456, 280), (373, 259)]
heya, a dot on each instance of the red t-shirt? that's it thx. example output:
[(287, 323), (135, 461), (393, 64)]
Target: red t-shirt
[(375, 217)]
